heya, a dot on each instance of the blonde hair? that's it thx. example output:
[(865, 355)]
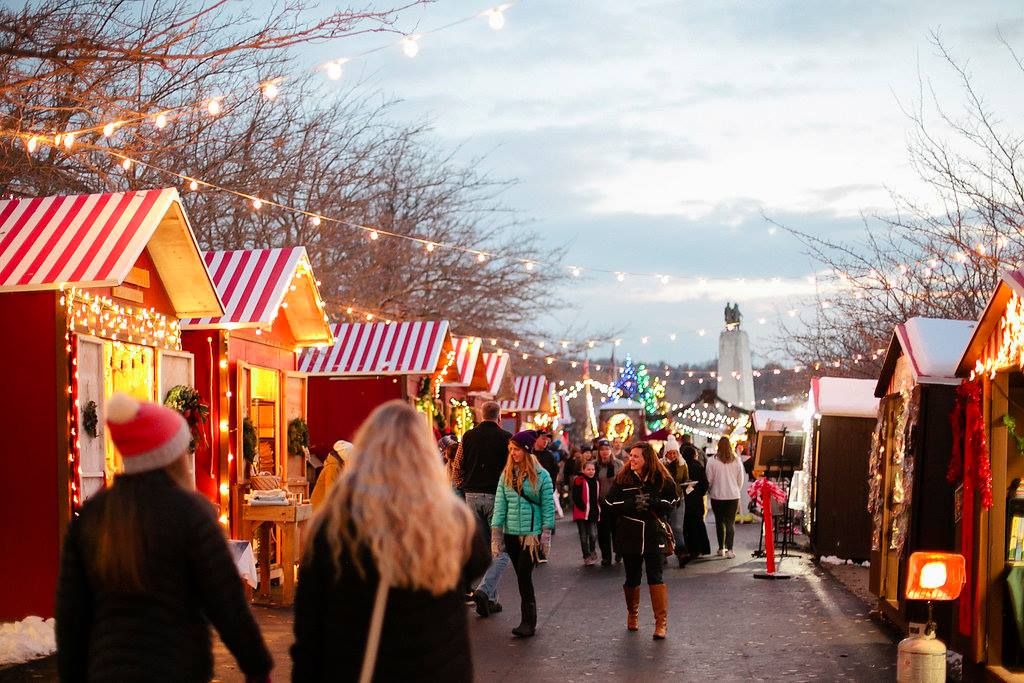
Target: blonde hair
[(514, 475), (725, 452), (395, 501)]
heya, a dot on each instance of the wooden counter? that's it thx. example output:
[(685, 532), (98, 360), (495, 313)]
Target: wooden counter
[(289, 519)]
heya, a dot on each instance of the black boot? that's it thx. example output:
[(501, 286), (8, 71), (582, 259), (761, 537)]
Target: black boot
[(528, 625)]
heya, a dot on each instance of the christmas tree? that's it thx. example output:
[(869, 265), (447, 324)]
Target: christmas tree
[(635, 383)]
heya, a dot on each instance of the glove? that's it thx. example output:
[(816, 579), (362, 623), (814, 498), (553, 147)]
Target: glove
[(545, 542), (497, 542)]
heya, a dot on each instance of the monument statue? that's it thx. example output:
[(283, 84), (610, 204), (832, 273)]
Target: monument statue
[(732, 315)]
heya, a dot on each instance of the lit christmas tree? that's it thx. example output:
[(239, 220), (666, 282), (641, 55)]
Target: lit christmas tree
[(635, 383), (628, 382)]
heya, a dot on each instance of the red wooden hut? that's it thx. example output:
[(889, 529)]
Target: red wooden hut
[(92, 287), (246, 366), (371, 363), (462, 397)]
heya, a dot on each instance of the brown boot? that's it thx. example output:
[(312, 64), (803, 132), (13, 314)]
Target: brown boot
[(632, 607), (659, 603)]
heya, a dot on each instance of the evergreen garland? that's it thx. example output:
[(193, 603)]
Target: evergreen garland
[(298, 437)]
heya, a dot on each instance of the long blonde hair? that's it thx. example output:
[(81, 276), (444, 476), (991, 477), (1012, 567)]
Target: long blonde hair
[(514, 475), (394, 500), (725, 452)]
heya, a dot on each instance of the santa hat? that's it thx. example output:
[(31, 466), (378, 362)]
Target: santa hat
[(148, 436), (671, 444)]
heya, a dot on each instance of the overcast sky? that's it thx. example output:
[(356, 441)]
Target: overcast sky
[(652, 136)]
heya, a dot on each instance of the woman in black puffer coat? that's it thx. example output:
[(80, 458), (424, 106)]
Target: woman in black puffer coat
[(642, 497)]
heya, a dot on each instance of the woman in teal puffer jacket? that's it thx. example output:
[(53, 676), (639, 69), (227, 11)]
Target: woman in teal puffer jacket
[(524, 515)]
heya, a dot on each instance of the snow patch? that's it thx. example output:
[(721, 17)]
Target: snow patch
[(28, 639), (832, 559)]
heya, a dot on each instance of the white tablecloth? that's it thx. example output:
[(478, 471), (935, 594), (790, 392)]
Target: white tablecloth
[(245, 561)]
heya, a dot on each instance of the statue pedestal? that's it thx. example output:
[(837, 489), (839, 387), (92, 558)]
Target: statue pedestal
[(734, 360)]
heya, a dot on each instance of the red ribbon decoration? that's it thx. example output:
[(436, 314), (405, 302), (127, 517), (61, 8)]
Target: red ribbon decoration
[(766, 490), (970, 465)]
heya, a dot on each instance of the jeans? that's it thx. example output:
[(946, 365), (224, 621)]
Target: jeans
[(725, 521), (675, 521), (588, 537), (635, 565), (523, 564), (604, 535), (483, 505)]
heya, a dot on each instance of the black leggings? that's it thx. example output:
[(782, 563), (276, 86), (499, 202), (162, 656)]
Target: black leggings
[(604, 535), (635, 566), (522, 562), (725, 521)]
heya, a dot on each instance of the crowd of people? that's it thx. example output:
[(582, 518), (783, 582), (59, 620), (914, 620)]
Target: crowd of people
[(390, 559)]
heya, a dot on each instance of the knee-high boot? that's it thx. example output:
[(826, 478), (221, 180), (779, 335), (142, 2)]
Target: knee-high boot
[(632, 607), (528, 625), (659, 603)]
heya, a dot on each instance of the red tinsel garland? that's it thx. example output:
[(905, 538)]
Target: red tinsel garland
[(755, 490), (970, 458)]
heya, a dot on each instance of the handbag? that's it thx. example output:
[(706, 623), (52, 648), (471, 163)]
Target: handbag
[(670, 537), (373, 637)]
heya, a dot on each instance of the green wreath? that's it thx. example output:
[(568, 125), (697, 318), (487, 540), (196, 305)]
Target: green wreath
[(250, 441), (90, 419), (189, 402), (298, 437)]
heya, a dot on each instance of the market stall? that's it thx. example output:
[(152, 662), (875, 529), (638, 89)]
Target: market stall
[(92, 288), (372, 363), (986, 467), (840, 419), (247, 373), (462, 397), (776, 440), (909, 498), (532, 406)]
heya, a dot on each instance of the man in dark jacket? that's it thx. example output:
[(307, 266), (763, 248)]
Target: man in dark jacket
[(480, 459)]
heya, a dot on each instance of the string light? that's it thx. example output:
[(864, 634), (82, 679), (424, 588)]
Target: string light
[(193, 185), (374, 235), (257, 203), (160, 121), (32, 143), (496, 17), (108, 130), (411, 46), (315, 220), (126, 164), (270, 89), (214, 107), (69, 140), (335, 69)]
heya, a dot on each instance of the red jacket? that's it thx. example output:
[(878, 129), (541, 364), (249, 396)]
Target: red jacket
[(586, 499)]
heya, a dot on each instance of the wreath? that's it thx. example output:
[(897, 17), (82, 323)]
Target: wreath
[(298, 437), (250, 442), (90, 419), (187, 401)]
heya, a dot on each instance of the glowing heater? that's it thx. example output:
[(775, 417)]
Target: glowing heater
[(931, 576)]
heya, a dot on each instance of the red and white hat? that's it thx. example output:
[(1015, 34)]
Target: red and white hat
[(149, 436)]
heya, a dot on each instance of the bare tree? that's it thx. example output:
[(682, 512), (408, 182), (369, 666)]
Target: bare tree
[(940, 256)]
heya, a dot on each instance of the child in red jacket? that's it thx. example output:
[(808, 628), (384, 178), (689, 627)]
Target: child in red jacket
[(586, 511)]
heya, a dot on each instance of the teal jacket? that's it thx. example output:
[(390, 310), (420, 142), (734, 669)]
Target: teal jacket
[(528, 513)]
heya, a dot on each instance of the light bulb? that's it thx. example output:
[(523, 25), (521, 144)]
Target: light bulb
[(575, 271), (315, 220), (496, 19), (529, 265), (481, 257), (193, 186), (161, 121), (334, 69), (430, 246), (108, 130), (126, 164), (69, 140), (31, 144), (257, 204), (270, 90), (621, 277), (214, 106), (374, 235), (410, 46)]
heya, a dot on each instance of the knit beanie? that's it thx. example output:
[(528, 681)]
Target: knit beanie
[(148, 436), (525, 439), (343, 449), (671, 444)]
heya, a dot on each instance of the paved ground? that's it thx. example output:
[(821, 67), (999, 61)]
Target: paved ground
[(723, 626)]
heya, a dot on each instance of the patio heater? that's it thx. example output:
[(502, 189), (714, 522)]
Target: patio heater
[(931, 576)]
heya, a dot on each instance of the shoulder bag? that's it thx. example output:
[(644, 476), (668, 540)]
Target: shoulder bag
[(373, 637)]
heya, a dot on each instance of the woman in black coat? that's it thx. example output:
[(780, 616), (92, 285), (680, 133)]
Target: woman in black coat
[(695, 534), (642, 497), (391, 516), (145, 568)]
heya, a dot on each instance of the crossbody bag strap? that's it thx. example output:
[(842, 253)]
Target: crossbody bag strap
[(373, 637)]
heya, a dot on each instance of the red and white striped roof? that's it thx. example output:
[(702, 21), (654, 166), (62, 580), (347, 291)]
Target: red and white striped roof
[(564, 416), (254, 284), (533, 394), (379, 348), (469, 364), (94, 240), (497, 366)]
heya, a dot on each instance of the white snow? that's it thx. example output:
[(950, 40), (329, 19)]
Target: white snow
[(776, 420), (832, 559), (844, 397), (935, 347), (28, 639)]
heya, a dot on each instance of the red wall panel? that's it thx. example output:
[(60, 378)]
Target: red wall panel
[(207, 359), (338, 406), (29, 506)]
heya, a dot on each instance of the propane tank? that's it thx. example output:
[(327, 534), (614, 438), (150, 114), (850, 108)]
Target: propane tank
[(921, 658)]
